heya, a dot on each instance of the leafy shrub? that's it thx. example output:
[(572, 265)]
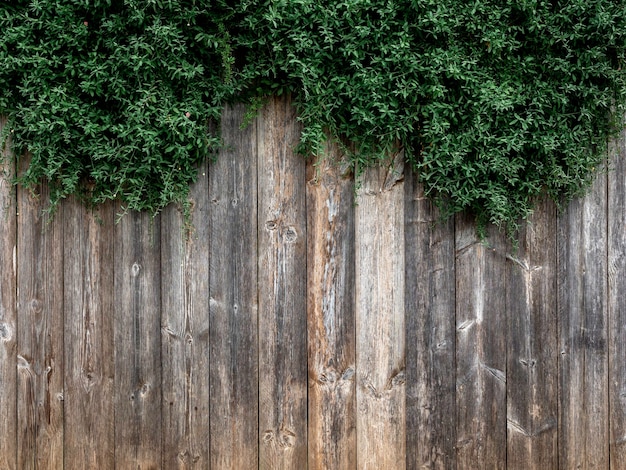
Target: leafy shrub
[(493, 101)]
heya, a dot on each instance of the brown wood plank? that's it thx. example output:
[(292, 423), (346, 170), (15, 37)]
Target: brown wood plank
[(234, 303), (480, 347), (430, 332), (185, 330), (89, 361), (8, 303), (532, 358), (137, 328), (582, 310), (39, 331), (380, 366), (282, 291), (331, 321), (617, 301)]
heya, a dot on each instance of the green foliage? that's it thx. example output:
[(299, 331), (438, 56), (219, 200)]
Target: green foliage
[(493, 101)]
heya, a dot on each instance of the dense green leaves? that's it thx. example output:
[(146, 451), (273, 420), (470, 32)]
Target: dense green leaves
[(493, 101)]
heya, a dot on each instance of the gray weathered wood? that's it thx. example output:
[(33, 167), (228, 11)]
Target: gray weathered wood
[(234, 304), (617, 301), (330, 313), (380, 335), (430, 332), (137, 328), (282, 291), (39, 331), (8, 319), (480, 347), (532, 357), (88, 336), (185, 330), (582, 310)]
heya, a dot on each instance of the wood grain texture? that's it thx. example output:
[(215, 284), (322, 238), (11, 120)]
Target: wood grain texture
[(234, 304), (430, 332), (480, 347), (330, 313), (137, 343), (8, 313), (39, 331), (532, 356), (282, 291), (88, 336), (583, 337), (617, 300), (380, 335), (185, 330)]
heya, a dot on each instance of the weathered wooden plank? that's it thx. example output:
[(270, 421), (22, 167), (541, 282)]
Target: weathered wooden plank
[(234, 303), (39, 331), (282, 291), (617, 300), (185, 330), (481, 347), (380, 335), (532, 356), (89, 359), (430, 332), (137, 328), (8, 303), (330, 313), (582, 310)]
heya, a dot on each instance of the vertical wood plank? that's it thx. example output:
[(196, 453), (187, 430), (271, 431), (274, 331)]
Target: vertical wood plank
[(430, 332), (39, 331), (330, 313), (8, 303), (282, 291), (532, 356), (234, 302), (481, 347), (137, 343), (582, 311), (185, 330), (89, 364), (617, 301), (379, 240)]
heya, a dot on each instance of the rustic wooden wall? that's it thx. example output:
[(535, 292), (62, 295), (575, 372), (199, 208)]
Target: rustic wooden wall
[(301, 326)]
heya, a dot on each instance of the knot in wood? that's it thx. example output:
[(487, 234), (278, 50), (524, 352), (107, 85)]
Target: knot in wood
[(134, 270), (6, 332), (291, 235)]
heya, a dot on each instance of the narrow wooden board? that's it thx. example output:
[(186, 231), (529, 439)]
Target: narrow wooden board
[(89, 360), (8, 314), (137, 327), (380, 335), (480, 347), (39, 331), (330, 313), (185, 330), (430, 332), (282, 291), (617, 300), (583, 337), (234, 304), (532, 359)]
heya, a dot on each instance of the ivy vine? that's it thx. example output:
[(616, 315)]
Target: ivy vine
[(493, 101)]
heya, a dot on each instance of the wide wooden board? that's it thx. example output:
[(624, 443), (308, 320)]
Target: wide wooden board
[(88, 336), (380, 334), (330, 313), (282, 290), (233, 297), (430, 332)]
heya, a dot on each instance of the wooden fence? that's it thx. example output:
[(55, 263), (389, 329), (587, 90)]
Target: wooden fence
[(296, 328)]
